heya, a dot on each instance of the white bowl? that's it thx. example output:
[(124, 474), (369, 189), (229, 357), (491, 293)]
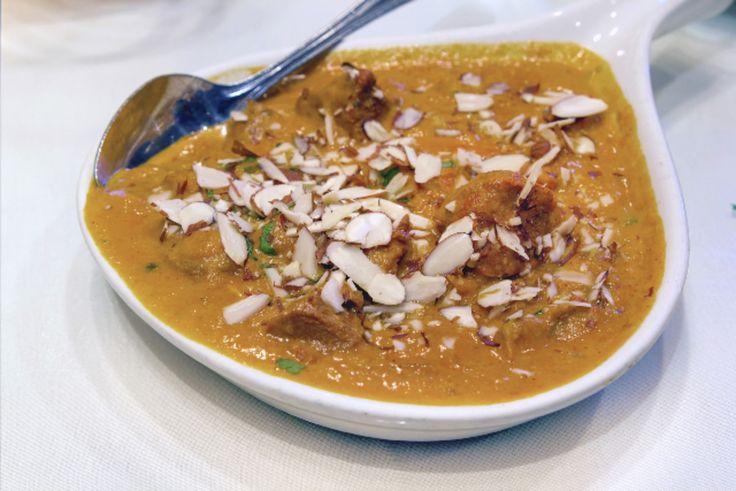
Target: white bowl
[(621, 33)]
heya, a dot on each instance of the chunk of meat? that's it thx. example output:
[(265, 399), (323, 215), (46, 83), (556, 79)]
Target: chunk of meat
[(200, 254), (309, 318), (365, 100), (497, 261), (387, 257), (493, 196), (354, 97)]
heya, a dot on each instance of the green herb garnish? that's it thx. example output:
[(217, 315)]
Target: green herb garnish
[(448, 164), (405, 199), (249, 246), (264, 243), (290, 366), (631, 221), (210, 194), (389, 174), (151, 266), (539, 312)]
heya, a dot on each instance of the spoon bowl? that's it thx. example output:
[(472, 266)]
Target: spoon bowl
[(172, 106)]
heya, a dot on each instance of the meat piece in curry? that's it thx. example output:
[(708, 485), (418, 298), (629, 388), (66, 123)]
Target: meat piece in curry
[(413, 225)]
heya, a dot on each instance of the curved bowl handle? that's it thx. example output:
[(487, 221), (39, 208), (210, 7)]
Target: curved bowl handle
[(682, 12)]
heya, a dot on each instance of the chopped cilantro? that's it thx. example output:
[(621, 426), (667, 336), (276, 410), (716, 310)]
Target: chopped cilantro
[(448, 164), (389, 174), (291, 366), (405, 199), (264, 243), (210, 194), (631, 221), (151, 266), (250, 158), (251, 252), (539, 312)]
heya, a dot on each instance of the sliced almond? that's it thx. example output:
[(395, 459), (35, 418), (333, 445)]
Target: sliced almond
[(578, 106), (246, 308), (467, 158), (232, 240), (421, 288), (369, 230), (353, 262), (210, 178), (332, 215), (397, 184), (270, 169), (386, 289), (450, 254), (574, 277), (244, 226), (511, 241), (351, 193), (331, 293), (265, 198), (305, 253), (408, 118), (375, 131), (426, 167), (462, 315), (582, 145), (170, 207), (241, 191), (468, 103), (536, 169), (195, 213), (525, 293), (462, 226), (511, 162), (470, 79), (447, 132), (495, 294), (295, 217), (304, 203)]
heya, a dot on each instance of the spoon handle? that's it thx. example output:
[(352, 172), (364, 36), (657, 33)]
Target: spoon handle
[(357, 17)]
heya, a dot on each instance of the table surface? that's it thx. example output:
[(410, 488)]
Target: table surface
[(94, 399)]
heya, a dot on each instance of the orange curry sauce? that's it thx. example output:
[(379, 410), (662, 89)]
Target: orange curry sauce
[(545, 282)]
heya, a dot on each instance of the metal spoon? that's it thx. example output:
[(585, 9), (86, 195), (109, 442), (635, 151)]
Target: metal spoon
[(172, 106)]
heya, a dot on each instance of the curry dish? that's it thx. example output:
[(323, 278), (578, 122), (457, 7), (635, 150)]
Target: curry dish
[(439, 225)]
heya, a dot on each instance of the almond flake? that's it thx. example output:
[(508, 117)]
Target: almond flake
[(332, 291), (244, 309), (241, 191), (383, 288), (574, 277), (578, 106), (466, 158), (426, 167), (244, 226), (232, 240), (295, 217), (462, 315), (195, 213), (265, 198), (352, 193), (171, 208), (450, 254), (408, 118), (369, 230), (496, 294), (468, 103), (512, 162), (535, 170), (305, 251), (270, 169), (421, 288), (470, 79), (447, 132), (375, 131), (462, 226), (582, 145), (511, 241), (210, 178)]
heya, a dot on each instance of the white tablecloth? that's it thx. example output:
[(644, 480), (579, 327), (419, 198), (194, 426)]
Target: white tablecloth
[(93, 399)]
